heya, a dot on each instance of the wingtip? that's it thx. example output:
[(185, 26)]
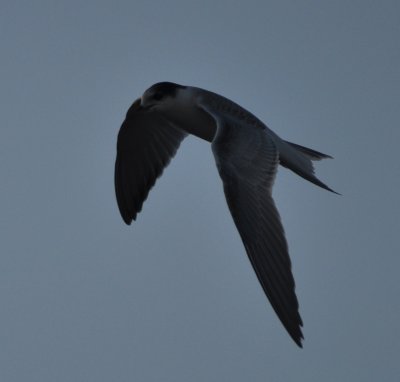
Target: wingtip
[(127, 220), (299, 344), (298, 340), (297, 336)]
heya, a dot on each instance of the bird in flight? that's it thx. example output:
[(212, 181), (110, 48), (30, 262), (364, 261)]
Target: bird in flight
[(247, 154)]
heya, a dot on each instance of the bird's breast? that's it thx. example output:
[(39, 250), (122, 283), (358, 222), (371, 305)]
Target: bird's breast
[(194, 121)]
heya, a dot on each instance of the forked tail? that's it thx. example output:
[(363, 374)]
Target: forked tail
[(299, 159)]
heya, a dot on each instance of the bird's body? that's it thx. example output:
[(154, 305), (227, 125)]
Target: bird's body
[(247, 155)]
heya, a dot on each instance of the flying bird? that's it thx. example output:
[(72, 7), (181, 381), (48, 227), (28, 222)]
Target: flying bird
[(247, 154)]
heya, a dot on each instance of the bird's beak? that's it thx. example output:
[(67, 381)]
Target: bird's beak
[(136, 105)]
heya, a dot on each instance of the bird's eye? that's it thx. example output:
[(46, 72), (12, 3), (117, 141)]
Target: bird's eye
[(158, 96)]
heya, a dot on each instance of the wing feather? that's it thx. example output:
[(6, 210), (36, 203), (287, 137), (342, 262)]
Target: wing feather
[(146, 144), (247, 161)]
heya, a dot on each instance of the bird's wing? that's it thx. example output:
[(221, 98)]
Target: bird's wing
[(146, 144), (247, 161)]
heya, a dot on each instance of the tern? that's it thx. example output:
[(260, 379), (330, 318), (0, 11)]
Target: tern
[(247, 154)]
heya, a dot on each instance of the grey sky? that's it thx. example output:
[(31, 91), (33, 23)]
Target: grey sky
[(173, 297)]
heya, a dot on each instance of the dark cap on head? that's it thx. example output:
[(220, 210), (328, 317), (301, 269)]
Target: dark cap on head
[(166, 88)]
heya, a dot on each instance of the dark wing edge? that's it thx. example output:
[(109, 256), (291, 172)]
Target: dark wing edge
[(146, 144), (247, 164)]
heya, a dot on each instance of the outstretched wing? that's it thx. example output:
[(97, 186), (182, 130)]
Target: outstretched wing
[(247, 161), (146, 144)]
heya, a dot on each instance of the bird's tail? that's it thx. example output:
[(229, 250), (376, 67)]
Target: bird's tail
[(299, 159), (312, 154)]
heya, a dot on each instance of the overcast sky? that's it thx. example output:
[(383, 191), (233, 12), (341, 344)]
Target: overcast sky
[(173, 297)]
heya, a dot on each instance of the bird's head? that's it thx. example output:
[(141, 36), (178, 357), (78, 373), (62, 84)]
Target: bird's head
[(162, 96)]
